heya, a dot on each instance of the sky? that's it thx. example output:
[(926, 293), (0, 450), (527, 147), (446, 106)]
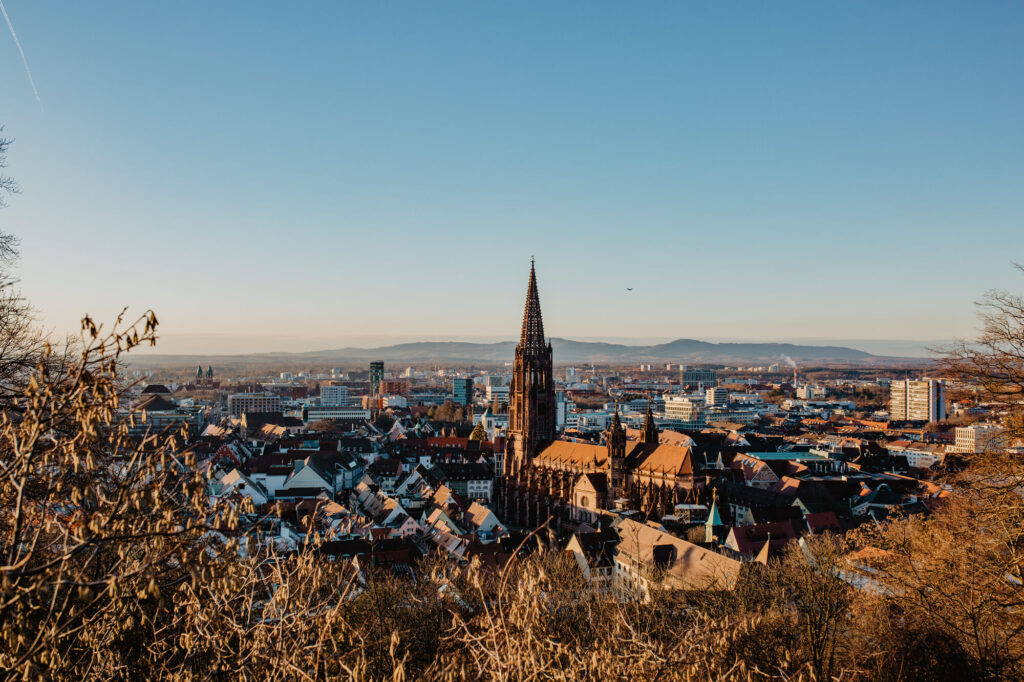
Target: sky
[(299, 176)]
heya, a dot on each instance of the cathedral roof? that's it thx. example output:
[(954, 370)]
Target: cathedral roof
[(566, 454)]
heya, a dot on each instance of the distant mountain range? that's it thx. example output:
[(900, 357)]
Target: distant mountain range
[(687, 351)]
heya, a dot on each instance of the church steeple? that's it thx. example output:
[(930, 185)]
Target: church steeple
[(650, 432), (616, 431), (615, 442), (532, 391), (532, 337)]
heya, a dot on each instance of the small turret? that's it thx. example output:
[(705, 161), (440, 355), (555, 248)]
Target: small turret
[(714, 525)]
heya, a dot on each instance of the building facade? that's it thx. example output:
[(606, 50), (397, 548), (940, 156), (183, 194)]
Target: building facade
[(376, 376), (462, 390), (334, 395), (976, 438), (917, 400), (394, 387), (698, 377), (238, 403)]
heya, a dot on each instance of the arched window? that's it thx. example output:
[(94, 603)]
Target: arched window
[(584, 501)]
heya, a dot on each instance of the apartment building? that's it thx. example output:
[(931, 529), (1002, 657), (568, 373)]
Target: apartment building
[(689, 412), (334, 395), (917, 400), (974, 439)]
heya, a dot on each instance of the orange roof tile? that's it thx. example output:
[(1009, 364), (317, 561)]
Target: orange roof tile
[(562, 453)]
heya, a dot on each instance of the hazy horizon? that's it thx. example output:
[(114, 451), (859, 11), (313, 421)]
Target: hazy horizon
[(226, 344)]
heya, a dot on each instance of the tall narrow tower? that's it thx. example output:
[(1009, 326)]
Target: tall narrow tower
[(615, 440), (650, 431), (532, 392)]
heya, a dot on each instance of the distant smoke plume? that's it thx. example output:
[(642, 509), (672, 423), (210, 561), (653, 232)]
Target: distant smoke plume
[(789, 361), (28, 71)]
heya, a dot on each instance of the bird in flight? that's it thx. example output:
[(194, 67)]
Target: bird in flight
[(629, 288)]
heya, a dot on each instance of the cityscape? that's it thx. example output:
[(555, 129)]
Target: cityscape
[(448, 341)]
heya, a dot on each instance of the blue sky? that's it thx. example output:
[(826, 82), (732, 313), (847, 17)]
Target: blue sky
[(268, 176)]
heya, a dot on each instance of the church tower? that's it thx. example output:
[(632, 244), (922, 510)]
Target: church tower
[(650, 432), (531, 414), (615, 441)]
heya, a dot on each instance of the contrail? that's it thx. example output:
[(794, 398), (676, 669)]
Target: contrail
[(3, 10)]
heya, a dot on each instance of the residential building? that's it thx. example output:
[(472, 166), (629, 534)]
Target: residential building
[(334, 395), (714, 397), (688, 412), (917, 400), (394, 387), (470, 480), (647, 555), (499, 393), (974, 439)]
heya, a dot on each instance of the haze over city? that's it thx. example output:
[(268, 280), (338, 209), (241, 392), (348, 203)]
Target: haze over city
[(296, 178)]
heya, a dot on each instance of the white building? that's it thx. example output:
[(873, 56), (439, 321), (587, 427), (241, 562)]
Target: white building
[(716, 396), (689, 411), (808, 392), (334, 395), (394, 401), (974, 439), (499, 393), (917, 400)]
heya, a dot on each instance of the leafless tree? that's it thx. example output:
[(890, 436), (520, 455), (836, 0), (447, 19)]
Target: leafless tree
[(21, 341)]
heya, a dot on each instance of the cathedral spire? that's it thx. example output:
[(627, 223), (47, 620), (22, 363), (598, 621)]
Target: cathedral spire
[(616, 422), (650, 432), (532, 337)]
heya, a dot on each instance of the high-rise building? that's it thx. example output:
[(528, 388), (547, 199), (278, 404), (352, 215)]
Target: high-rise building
[(462, 390), (917, 400), (376, 376)]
